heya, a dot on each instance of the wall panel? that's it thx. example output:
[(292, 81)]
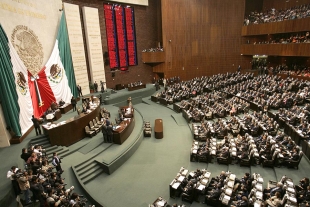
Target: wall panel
[(302, 49), (204, 34)]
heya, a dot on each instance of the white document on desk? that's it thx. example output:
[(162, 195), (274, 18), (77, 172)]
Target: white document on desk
[(161, 203), (201, 187), (181, 178), (176, 185)]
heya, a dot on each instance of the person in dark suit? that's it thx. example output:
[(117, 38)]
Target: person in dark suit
[(214, 194), (269, 192), (25, 154), (293, 157), (79, 89), (105, 133), (96, 87), (241, 203), (107, 122), (73, 103), (56, 162), (110, 133), (36, 125), (61, 103)]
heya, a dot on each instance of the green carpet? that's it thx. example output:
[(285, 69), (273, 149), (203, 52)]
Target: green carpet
[(179, 119)]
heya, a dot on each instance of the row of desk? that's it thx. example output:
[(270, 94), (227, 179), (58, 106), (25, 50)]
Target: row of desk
[(68, 132)]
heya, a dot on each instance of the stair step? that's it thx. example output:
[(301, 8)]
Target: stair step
[(90, 172), (43, 142), (94, 175), (51, 149), (81, 166), (91, 165)]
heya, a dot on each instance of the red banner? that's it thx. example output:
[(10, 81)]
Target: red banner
[(111, 35), (131, 36)]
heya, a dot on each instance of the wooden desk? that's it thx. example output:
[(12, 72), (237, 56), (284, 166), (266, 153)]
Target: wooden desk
[(136, 87), (65, 108), (159, 129), (73, 129), (124, 130)]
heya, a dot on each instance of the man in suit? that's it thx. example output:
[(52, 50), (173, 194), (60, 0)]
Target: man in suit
[(56, 162), (269, 192), (107, 122), (110, 133), (294, 157), (36, 125), (105, 133), (242, 203), (214, 194), (96, 87), (73, 103), (79, 89)]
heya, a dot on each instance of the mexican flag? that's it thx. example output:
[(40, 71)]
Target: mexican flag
[(15, 96), (49, 85)]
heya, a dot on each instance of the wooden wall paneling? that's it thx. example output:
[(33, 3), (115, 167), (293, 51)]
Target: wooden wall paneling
[(204, 34), (293, 49), (251, 6)]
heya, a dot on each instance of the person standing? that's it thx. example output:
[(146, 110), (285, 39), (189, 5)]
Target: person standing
[(96, 87), (36, 125), (56, 162), (102, 86), (105, 133), (73, 103), (24, 185), (11, 175), (110, 133), (79, 88)]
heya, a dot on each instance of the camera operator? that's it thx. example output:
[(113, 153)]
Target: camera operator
[(53, 199), (24, 185), (75, 198), (39, 150), (37, 190), (54, 178), (46, 167), (11, 175), (56, 162), (34, 162)]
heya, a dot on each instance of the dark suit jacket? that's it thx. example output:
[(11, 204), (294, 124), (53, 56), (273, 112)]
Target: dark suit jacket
[(216, 194), (110, 130)]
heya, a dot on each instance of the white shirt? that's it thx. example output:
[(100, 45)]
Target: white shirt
[(10, 173)]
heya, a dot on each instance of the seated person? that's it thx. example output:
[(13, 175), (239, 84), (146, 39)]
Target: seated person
[(61, 103), (241, 203), (270, 192), (84, 109), (54, 106), (49, 111), (294, 156), (274, 201)]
